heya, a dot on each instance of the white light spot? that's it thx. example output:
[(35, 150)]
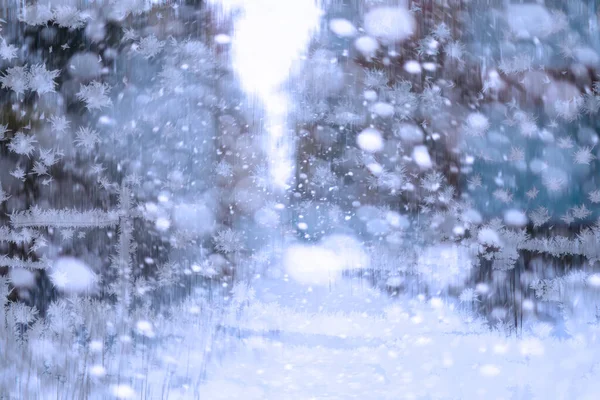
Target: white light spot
[(342, 27), (412, 67), (367, 46), (370, 140), (222, 38), (489, 370), (420, 156)]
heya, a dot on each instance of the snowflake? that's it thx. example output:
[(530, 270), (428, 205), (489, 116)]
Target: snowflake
[(475, 181), (150, 46), (7, 51), (223, 168), (41, 80), (581, 212), (568, 218), (67, 234), (97, 169), (441, 32), (591, 103), (393, 181), (128, 34), (432, 182), (375, 79), (39, 169), (59, 124), (22, 313), (569, 109), (3, 131), (3, 195), (38, 14), (503, 195), (539, 216), (468, 295), (86, 138), (68, 17), (553, 183), (18, 173), (528, 126), (532, 193), (565, 142), (583, 155), (516, 154), (322, 176), (594, 196), (431, 98), (16, 79), (404, 100), (429, 199), (447, 195), (94, 95), (455, 51), (49, 157), (428, 45), (228, 241), (22, 144), (476, 124)]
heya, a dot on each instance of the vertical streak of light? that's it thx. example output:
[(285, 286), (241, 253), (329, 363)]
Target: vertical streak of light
[(269, 37)]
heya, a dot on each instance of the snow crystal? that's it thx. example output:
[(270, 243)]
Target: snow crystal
[(370, 140), (421, 157), (390, 24), (71, 275), (477, 124), (342, 27)]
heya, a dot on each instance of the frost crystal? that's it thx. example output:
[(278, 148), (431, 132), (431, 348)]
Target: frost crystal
[(95, 95), (41, 80)]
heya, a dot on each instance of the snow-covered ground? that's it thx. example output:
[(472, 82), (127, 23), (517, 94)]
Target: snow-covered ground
[(351, 341)]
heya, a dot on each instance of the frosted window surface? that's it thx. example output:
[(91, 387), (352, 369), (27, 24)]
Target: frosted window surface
[(299, 199)]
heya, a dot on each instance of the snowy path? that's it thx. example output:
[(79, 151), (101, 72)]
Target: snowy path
[(352, 342)]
